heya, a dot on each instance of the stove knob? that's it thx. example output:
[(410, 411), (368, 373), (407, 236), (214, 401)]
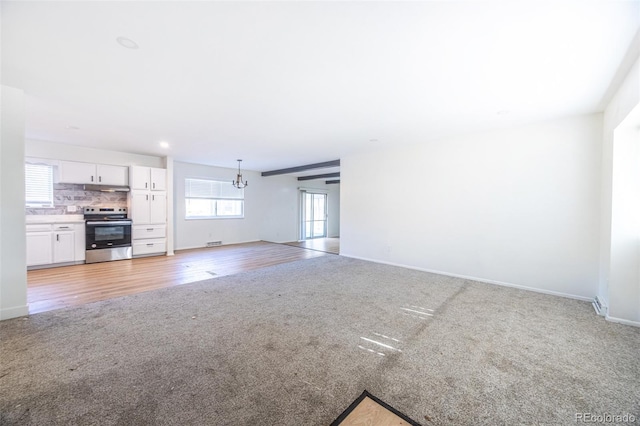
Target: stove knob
[(93, 246)]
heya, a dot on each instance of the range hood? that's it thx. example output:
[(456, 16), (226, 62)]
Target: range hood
[(106, 188)]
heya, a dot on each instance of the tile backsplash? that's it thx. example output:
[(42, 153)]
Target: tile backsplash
[(67, 194)]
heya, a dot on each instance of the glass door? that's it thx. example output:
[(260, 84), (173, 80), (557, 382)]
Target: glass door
[(314, 215)]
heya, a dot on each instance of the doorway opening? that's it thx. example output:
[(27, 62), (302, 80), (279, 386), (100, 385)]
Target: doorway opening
[(313, 216)]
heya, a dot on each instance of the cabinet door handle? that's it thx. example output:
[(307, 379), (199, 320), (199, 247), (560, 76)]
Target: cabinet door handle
[(150, 245), (149, 229), (91, 178), (99, 178), (154, 185), (153, 198), (57, 237), (147, 197), (63, 227), (146, 185)]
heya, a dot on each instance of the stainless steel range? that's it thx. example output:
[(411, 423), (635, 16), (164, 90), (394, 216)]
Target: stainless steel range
[(108, 234)]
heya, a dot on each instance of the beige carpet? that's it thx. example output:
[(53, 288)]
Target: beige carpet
[(294, 343)]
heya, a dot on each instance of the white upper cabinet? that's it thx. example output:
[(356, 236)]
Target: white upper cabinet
[(148, 178), (140, 177), (112, 175), (73, 172), (89, 173), (158, 179)]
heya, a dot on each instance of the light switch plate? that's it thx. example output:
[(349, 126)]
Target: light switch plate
[(72, 209)]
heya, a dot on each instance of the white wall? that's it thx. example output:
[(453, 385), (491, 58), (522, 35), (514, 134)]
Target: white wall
[(626, 98), (59, 151), (272, 208), (279, 199), (168, 164), (334, 210), (13, 270), (624, 272), (195, 233), (517, 206)]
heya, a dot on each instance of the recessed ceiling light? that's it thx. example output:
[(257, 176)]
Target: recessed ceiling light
[(373, 140), (73, 128), (503, 112), (164, 144), (127, 42)]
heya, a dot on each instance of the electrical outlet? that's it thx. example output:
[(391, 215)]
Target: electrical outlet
[(72, 209)]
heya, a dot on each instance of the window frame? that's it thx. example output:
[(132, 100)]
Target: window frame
[(212, 198), (40, 204)]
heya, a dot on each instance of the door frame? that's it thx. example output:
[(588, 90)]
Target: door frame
[(302, 217)]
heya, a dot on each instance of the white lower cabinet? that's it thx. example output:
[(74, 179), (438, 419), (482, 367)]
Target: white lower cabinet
[(39, 248), (50, 244), (150, 246), (64, 246), (64, 243), (149, 239), (141, 232), (148, 211)]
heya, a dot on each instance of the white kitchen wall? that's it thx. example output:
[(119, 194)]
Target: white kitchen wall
[(517, 207), (13, 273)]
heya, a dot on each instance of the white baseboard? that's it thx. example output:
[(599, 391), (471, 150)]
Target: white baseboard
[(482, 280), (14, 312), (623, 321), (223, 244)]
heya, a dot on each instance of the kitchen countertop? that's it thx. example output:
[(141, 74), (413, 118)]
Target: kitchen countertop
[(54, 218)]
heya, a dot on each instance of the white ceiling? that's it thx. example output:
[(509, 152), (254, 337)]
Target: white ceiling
[(282, 84)]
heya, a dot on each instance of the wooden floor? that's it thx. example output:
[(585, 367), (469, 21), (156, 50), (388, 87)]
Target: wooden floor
[(327, 245), (369, 412), (55, 288)]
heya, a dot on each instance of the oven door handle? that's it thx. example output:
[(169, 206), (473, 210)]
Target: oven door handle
[(109, 223)]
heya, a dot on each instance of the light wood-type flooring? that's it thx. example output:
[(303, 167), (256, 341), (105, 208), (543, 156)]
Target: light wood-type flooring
[(369, 412), (328, 245), (65, 286)]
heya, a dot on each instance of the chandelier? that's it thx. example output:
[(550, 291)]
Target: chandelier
[(238, 182)]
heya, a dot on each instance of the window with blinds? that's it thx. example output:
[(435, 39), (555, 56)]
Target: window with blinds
[(210, 199), (39, 185)]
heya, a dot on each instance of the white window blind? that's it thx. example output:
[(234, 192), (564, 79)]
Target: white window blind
[(204, 188), (207, 199), (38, 185)]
